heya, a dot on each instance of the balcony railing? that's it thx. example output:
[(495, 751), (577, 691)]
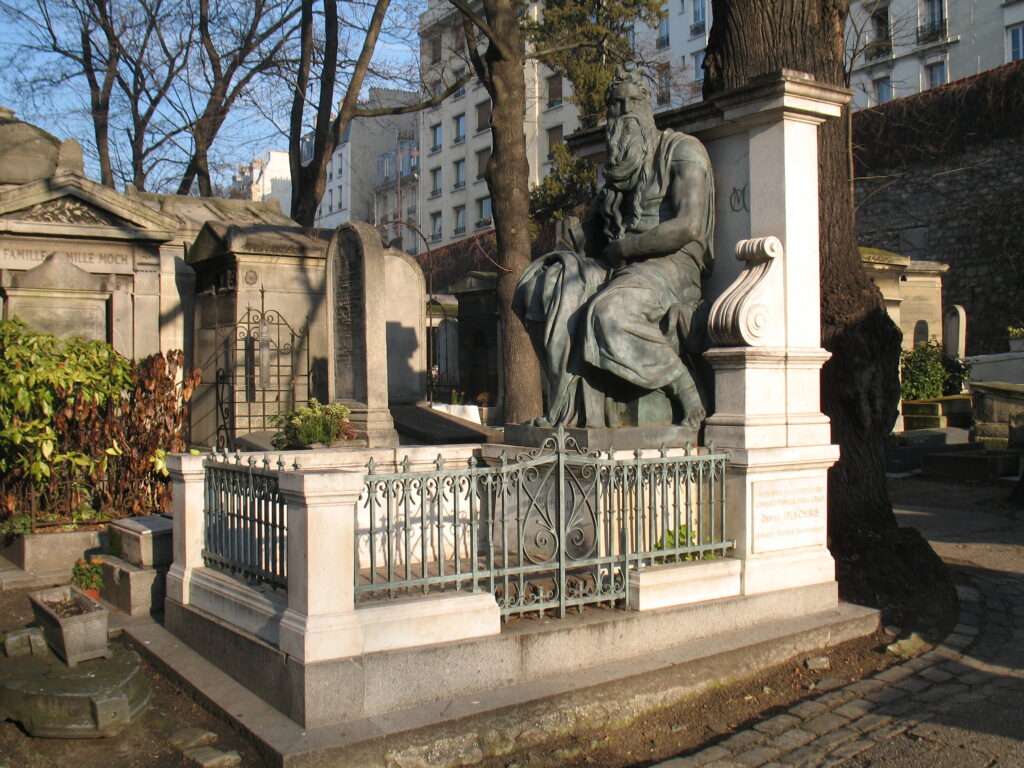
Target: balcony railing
[(932, 31), (459, 185), (878, 49), (698, 28), (662, 42), (459, 231)]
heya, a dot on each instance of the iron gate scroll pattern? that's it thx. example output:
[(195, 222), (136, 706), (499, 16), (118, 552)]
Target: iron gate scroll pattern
[(262, 369), (553, 528), (246, 520)]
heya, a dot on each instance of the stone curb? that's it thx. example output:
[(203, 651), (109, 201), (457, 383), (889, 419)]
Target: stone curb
[(851, 719)]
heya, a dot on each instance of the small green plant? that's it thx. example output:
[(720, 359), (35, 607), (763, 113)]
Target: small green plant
[(88, 574), (928, 372), (457, 397), (315, 423), (1015, 332), (682, 537)]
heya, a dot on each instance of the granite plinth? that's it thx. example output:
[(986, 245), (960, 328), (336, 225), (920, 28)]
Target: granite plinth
[(603, 438), (96, 698)]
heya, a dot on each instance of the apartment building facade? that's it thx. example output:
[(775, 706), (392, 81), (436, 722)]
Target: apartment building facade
[(351, 192), (901, 47), (267, 177), (455, 137)]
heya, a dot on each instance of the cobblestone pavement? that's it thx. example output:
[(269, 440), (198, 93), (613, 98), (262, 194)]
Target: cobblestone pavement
[(959, 705)]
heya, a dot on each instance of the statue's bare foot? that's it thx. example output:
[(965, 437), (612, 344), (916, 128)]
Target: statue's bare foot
[(694, 418)]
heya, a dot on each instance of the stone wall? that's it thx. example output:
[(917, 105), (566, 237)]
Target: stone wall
[(939, 184)]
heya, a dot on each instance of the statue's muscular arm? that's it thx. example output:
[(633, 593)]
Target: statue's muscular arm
[(688, 198)]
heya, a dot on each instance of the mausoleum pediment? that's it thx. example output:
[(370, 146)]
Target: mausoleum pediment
[(70, 204)]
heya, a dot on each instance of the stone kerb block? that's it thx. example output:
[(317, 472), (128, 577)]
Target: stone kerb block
[(144, 541)]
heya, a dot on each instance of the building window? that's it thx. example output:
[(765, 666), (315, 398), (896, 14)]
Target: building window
[(554, 139), (483, 209), (1017, 42), (483, 116), (883, 89), (434, 44), (435, 227), (461, 90), (460, 174), (631, 38), (481, 162), (935, 74), (435, 182), (459, 125), (698, 66), (933, 22), (435, 138), (459, 214), (880, 43), (662, 41), (663, 92), (554, 91), (700, 20)]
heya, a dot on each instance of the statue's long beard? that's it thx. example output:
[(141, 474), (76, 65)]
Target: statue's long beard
[(627, 168)]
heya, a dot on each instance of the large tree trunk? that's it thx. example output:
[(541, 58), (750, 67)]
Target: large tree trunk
[(876, 561), (508, 173)]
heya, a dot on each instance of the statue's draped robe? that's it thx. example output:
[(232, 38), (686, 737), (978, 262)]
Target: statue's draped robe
[(629, 322)]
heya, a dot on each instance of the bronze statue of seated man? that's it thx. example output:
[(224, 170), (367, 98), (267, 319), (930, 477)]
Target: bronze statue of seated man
[(616, 317)]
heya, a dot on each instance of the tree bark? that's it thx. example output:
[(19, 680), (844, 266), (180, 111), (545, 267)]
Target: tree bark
[(500, 69), (877, 562)]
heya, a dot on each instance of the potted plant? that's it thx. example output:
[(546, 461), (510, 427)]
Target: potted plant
[(75, 626), (312, 426), (87, 575), (1016, 334), (489, 412)]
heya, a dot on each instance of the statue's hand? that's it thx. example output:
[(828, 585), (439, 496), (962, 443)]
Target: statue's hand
[(613, 255)]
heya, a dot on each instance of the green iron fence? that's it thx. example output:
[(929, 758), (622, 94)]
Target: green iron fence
[(551, 529), (246, 520)]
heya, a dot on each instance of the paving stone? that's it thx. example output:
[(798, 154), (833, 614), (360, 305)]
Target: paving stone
[(870, 722), (777, 724), (855, 708), (839, 736), (917, 664), (192, 737), (893, 674), (710, 755), (824, 723), (792, 739), (966, 629), (936, 675), (677, 762), (745, 740), (754, 758), (808, 708), (809, 755), (208, 757), (840, 696), (886, 695), (724, 764), (865, 686), (914, 684), (852, 748)]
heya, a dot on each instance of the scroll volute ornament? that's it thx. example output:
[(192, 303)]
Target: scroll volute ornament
[(742, 315)]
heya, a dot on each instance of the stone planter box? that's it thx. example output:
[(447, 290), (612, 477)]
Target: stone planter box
[(1016, 345), (41, 552), (937, 413), (72, 638)]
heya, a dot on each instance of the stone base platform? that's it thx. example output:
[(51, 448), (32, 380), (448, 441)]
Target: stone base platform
[(133, 589), (93, 699), (603, 438), (465, 728)]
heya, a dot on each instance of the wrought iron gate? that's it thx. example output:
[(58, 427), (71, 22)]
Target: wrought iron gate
[(554, 528), (263, 369)]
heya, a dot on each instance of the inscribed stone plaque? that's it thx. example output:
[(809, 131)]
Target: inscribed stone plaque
[(788, 514)]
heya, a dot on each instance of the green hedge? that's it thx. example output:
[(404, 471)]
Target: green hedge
[(928, 372)]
